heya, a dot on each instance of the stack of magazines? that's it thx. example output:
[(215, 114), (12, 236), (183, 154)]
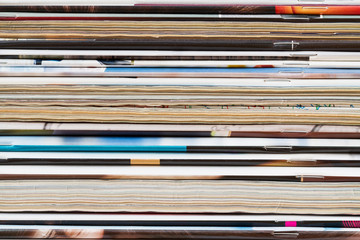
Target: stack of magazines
[(174, 119)]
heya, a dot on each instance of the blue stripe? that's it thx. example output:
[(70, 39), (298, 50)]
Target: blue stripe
[(233, 70), (87, 148)]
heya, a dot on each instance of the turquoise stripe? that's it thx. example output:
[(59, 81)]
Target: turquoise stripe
[(87, 148)]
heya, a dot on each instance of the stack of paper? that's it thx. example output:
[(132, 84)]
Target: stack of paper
[(168, 119)]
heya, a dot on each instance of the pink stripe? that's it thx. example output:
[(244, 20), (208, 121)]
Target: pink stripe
[(355, 224), (290, 224)]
